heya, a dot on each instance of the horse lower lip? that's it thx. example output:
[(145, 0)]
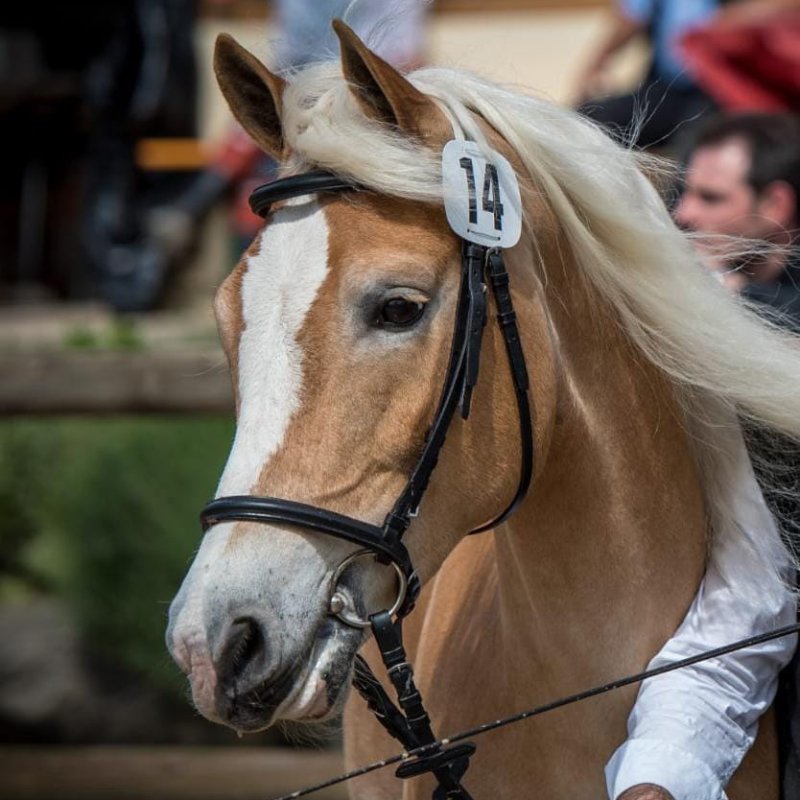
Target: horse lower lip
[(254, 708)]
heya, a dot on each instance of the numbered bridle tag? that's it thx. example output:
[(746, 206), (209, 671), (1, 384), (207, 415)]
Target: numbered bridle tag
[(481, 195)]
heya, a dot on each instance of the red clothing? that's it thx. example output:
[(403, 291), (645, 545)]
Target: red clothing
[(752, 66)]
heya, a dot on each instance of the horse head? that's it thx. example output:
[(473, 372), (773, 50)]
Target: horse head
[(338, 325)]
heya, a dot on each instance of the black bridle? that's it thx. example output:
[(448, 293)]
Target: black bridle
[(481, 267), (448, 758)]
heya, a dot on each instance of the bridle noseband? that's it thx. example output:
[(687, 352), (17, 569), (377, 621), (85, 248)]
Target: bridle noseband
[(482, 266)]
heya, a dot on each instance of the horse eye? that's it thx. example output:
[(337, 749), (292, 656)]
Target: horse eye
[(397, 312)]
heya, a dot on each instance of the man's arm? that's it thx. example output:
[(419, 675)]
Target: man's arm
[(625, 25), (689, 729)]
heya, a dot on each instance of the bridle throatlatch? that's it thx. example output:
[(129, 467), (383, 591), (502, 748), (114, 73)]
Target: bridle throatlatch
[(482, 267)]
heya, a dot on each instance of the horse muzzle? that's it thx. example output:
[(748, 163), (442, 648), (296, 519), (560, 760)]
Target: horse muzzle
[(242, 677)]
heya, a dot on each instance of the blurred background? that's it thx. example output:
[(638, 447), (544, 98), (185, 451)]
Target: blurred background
[(122, 207)]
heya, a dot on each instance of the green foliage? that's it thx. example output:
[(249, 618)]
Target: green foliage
[(122, 334), (104, 512), (81, 338)]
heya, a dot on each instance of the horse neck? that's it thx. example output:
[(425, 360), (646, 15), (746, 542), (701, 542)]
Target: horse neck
[(601, 562)]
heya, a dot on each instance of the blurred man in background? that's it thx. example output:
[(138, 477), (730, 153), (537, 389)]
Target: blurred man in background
[(743, 180)]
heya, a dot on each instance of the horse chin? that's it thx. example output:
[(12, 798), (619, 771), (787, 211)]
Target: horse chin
[(321, 689)]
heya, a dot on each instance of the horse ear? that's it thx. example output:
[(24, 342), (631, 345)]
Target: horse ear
[(384, 94), (253, 93)]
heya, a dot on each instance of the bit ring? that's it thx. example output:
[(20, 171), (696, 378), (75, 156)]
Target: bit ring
[(338, 606)]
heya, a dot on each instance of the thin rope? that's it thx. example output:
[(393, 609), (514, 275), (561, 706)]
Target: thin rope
[(534, 712)]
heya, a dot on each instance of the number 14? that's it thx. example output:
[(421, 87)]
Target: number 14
[(491, 193)]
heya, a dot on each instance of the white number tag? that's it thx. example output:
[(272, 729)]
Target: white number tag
[(481, 197)]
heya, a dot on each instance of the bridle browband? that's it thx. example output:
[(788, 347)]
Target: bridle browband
[(482, 266)]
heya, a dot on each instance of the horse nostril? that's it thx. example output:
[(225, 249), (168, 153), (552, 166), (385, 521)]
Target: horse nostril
[(244, 651)]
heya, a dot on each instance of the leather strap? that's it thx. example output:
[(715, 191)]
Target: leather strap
[(470, 319), (262, 197), (448, 764), (507, 320), (289, 512)]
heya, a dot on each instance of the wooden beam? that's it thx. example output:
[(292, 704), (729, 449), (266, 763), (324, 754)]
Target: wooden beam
[(260, 9), (114, 382), (171, 154), (494, 6), (164, 773)]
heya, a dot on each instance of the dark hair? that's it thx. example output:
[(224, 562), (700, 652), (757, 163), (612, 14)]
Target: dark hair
[(773, 140)]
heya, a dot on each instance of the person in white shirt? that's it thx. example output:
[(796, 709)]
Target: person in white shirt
[(690, 729)]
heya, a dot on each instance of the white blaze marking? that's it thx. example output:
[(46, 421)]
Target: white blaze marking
[(278, 288)]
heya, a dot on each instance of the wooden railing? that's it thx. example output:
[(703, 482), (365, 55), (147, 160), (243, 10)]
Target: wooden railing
[(64, 382), (74, 359), (163, 773), (248, 9)]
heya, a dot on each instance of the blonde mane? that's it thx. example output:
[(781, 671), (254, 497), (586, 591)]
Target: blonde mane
[(726, 362)]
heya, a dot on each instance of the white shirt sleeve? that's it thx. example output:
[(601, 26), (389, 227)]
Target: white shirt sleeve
[(689, 729)]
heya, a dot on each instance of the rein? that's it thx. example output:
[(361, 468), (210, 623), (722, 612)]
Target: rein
[(409, 757), (482, 268)]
